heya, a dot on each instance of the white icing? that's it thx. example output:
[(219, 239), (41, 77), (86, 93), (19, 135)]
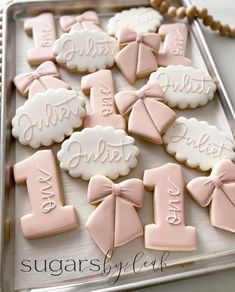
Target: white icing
[(141, 20), (98, 150), (48, 117), (184, 86), (86, 50), (197, 143)]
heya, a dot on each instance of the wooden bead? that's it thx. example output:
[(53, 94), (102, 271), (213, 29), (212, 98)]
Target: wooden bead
[(181, 12), (171, 12), (224, 29), (163, 7), (215, 25), (202, 13), (207, 21), (155, 3), (232, 32), (191, 11)]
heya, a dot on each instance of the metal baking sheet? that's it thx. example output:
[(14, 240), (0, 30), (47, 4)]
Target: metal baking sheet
[(215, 247)]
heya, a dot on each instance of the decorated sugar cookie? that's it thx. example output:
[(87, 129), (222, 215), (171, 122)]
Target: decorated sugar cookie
[(146, 108), (137, 58), (218, 191), (43, 78), (197, 144), (88, 20), (48, 117), (99, 150), (169, 231), (115, 221), (49, 215), (142, 20), (85, 50), (184, 87)]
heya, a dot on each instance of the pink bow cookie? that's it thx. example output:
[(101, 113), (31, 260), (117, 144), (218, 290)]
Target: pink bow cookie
[(115, 221), (43, 78), (88, 20), (219, 190), (146, 108), (138, 57)]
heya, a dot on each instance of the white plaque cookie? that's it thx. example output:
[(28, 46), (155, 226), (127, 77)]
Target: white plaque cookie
[(85, 50), (48, 117), (99, 150), (197, 143), (141, 20), (184, 87)]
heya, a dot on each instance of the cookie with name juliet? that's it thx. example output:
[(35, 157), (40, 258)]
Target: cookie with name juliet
[(184, 87), (99, 150), (197, 144), (115, 220), (85, 50)]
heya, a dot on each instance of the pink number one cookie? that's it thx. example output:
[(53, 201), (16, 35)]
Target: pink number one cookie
[(169, 231), (175, 40), (101, 88), (48, 216), (42, 27)]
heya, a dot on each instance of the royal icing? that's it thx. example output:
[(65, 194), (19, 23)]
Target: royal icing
[(42, 27), (99, 150), (145, 107), (48, 117), (85, 50), (48, 216), (197, 143), (115, 221), (169, 231), (142, 20), (174, 46), (218, 191), (138, 57), (100, 86), (184, 87), (88, 20), (43, 78)]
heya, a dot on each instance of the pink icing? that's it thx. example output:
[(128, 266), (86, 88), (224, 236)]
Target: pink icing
[(175, 40), (43, 78), (138, 57), (218, 189), (146, 108), (42, 27), (169, 231), (101, 88), (88, 20), (48, 216), (115, 221)]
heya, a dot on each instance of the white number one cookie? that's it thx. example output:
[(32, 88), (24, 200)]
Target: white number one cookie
[(48, 216), (175, 41), (169, 231), (42, 27), (101, 88)]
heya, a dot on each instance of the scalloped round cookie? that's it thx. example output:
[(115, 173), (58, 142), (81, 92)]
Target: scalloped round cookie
[(141, 20)]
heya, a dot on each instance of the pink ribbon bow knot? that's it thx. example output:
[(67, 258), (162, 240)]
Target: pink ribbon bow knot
[(115, 221), (88, 20), (138, 57), (146, 108), (43, 78)]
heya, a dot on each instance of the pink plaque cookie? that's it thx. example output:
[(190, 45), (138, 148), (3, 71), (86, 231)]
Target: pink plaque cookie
[(169, 231), (42, 27), (218, 191), (146, 108), (100, 86), (175, 40), (43, 78), (88, 20), (115, 221), (48, 216), (138, 57)]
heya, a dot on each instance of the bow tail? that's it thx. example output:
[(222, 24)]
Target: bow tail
[(127, 222), (229, 191), (100, 224), (147, 61)]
